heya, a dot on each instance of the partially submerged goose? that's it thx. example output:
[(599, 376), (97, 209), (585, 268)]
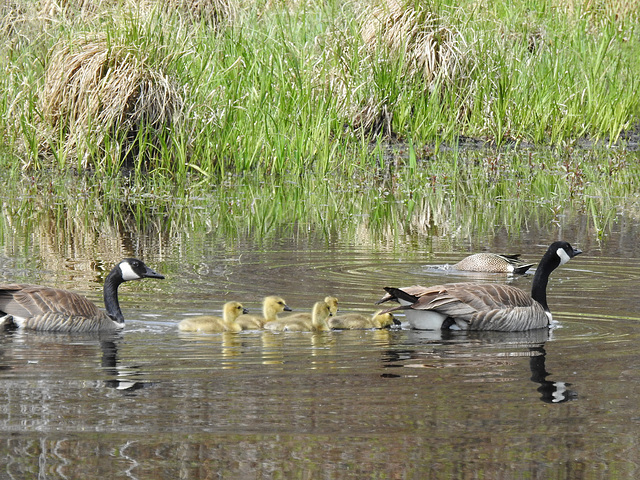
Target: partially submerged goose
[(303, 322), (212, 324), (359, 321), (36, 307), (271, 307), (483, 306), (493, 263)]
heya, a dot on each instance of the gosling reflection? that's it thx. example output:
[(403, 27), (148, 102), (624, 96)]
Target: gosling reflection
[(550, 392)]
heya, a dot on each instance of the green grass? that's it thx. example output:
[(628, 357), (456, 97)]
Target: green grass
[(291, 124), (291, 89)]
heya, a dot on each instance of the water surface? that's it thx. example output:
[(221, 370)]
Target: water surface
[(151, 402)]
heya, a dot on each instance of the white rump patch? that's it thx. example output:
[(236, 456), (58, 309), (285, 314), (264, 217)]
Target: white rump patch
[(564, 256), (424, 319), (128, 273), (19, 321)]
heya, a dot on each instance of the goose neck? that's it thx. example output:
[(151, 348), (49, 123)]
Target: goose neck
[(110, 293), (539, 285)]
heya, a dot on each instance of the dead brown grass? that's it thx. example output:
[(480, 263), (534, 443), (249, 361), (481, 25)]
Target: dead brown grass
[(603, 10), (427, 46), (97, 96)]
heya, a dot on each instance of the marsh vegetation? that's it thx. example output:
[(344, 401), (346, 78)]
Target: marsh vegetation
[(203, 88)]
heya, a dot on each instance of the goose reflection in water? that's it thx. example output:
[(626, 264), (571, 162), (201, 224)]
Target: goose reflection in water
[(445, 349), (551, 392), (123, 376), (22, 351)]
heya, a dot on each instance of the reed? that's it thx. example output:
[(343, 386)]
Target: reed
[(290, 88)]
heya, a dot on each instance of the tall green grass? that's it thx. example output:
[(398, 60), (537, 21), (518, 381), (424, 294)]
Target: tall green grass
[(291, 89)]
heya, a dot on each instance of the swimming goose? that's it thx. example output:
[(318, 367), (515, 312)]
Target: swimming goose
[(212, 324), (271, 307), (36, 307), (493, 263), (358, 321), (333, 304), (483, 306), (303, 322)]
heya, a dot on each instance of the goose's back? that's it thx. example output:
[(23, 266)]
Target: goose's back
[(481, 306), (25, 300), (492, 263), (44, 308)]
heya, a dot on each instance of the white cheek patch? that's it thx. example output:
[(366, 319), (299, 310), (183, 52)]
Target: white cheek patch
[(128, 273), (564, 256)]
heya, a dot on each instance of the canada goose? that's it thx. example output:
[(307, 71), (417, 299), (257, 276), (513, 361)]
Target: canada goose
[(303, 322), (493, 263), (36, 307), (483, 306), (358, 321), (333, 304), (271, 307), (212, 324)]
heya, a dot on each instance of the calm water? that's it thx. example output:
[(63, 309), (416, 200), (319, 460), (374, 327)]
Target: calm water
[(153, 403)]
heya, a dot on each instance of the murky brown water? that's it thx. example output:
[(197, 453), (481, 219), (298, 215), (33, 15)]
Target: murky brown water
[(153, 403)]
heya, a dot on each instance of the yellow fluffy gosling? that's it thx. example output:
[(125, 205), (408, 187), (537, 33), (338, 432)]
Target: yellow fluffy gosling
[(213, 324), (358, 321), (333, 304), (303, 322), (271, 307)]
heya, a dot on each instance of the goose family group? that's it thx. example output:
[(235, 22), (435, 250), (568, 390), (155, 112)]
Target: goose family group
[(465, 306)]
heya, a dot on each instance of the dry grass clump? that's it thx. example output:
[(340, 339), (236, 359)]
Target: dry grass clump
[(208, 11), (426, 46), (412, 44), (603, 10), (98, 96)]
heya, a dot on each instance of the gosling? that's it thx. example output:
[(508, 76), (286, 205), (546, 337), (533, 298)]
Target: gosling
[(333, 304), (271, 307), (303, 322), (212, 324), (358, 321)]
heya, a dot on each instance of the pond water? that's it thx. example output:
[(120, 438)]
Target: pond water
[(153, 403)]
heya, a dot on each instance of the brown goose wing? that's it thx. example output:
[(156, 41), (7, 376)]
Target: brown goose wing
[(33, 300), (485, 306), (482, 306)]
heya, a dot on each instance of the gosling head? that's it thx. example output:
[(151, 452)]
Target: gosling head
[(233, 310), (275, 305), (333, 304)]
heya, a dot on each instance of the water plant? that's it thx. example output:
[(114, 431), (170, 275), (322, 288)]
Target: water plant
[(318, 87)]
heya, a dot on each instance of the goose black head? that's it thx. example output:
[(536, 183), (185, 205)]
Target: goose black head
[(564, 251), (134, 269)]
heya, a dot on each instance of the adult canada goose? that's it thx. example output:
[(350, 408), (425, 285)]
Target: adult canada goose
[(36, 307), (212, 324), (358, 321), (483, 306), (303, 322), (271, 307), (493, 263), (333, 304)]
